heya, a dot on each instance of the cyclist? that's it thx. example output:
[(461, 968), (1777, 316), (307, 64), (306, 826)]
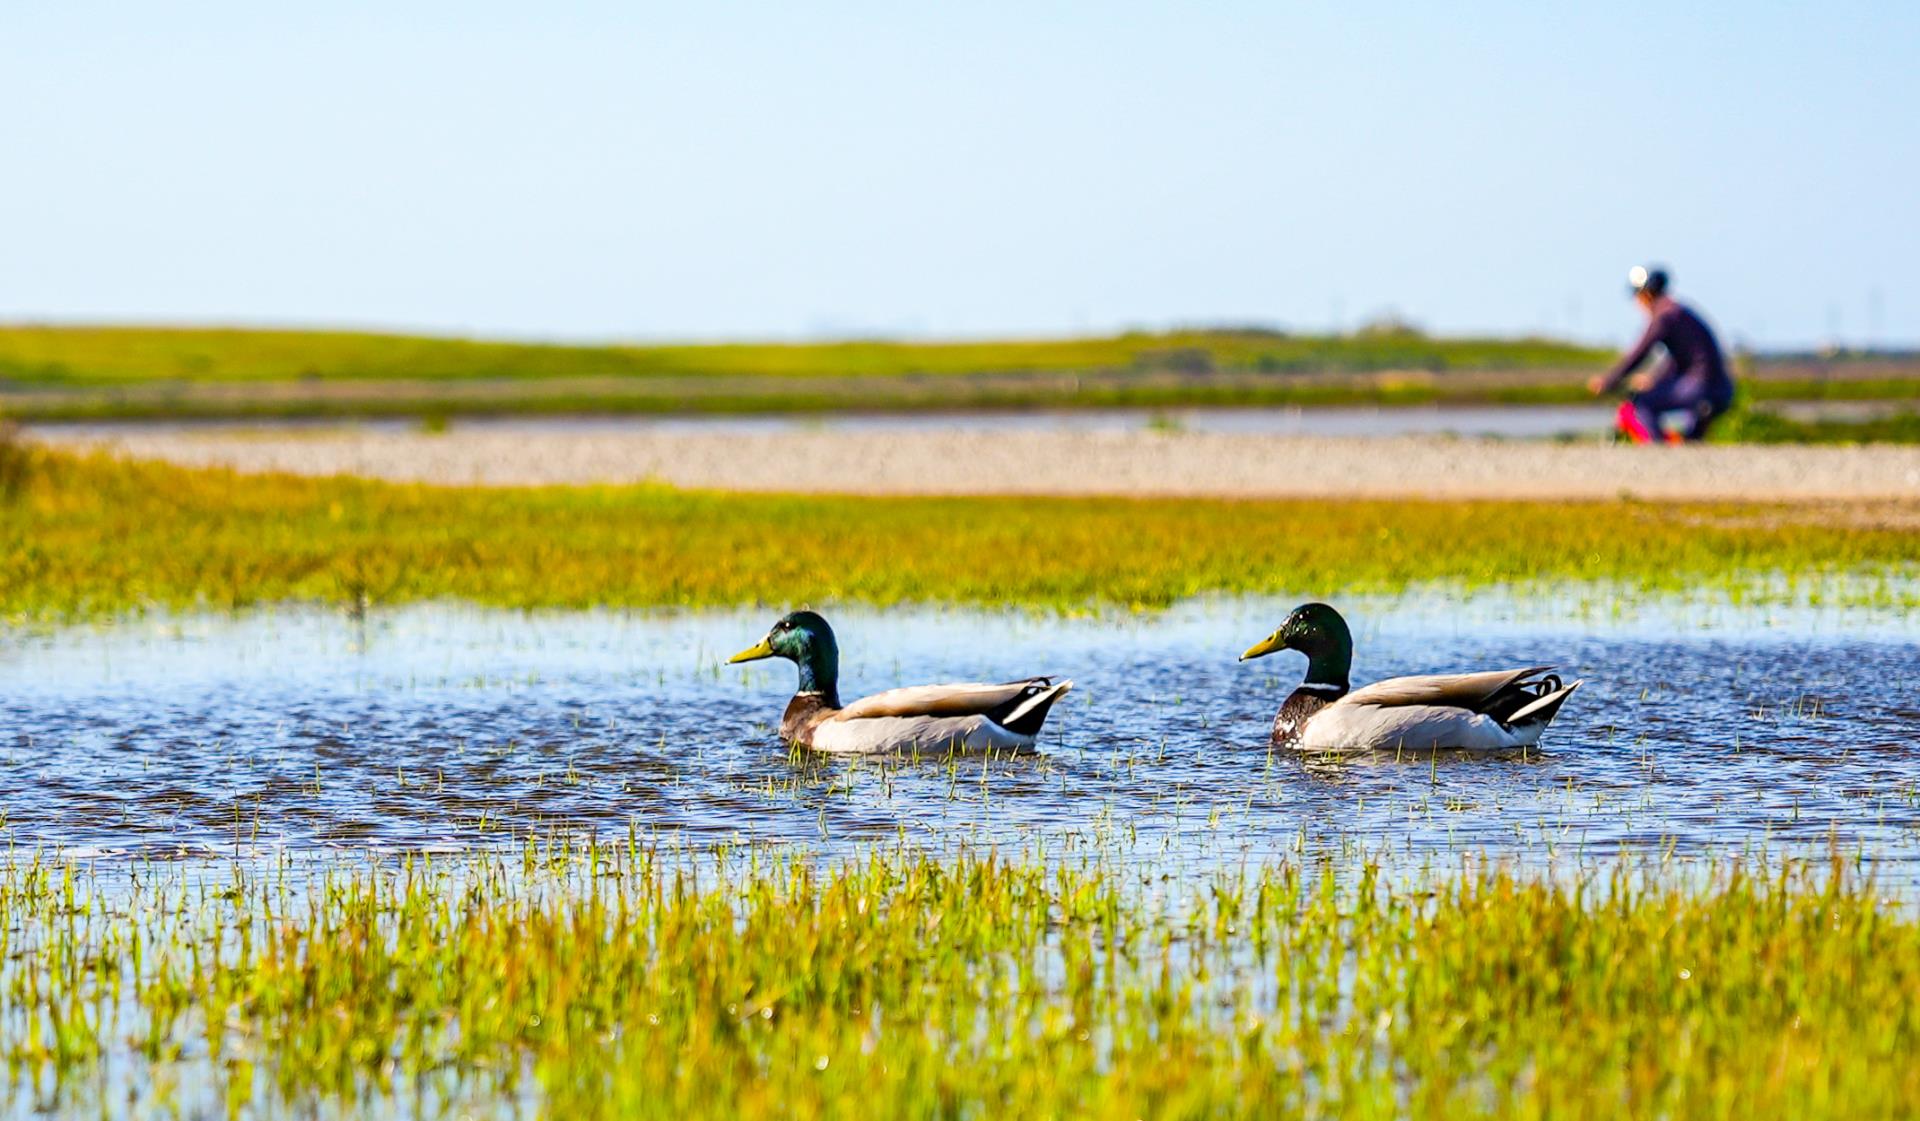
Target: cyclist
[(1691, 379)]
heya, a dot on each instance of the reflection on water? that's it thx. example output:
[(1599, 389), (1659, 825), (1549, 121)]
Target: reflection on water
[(1708, 729)]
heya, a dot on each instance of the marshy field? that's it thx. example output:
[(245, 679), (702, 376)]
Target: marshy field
[(341, 786), (959, 562), (116, 373)]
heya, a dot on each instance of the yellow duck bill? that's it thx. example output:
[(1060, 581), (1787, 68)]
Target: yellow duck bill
[(754, 653), (1264, 647)]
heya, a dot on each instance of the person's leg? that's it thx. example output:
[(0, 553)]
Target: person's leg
[(1706, 412), (1650, 407), (1698, 418)]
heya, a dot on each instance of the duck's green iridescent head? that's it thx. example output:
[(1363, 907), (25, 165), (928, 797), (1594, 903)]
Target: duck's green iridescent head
[(806, 640), (1317, 631)]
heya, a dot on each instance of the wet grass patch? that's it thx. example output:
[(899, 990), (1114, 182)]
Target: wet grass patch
[(91, 537), (638, 980)]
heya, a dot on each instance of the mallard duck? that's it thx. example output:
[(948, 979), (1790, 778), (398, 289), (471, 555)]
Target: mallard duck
[(945, 718), (1499, 710)]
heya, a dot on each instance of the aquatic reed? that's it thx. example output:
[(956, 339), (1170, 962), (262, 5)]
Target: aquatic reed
[(640, 980)]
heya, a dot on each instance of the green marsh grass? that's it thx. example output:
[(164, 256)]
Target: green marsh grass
[(1757, 426), (95, 538), (638, 980), (118, 373), (110, 355), (99, 373)]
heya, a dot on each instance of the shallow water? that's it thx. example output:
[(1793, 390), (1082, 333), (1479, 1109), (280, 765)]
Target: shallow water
[(1703, 729)]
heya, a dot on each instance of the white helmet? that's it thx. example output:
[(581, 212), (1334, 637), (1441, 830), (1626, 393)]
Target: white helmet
[(1651, 279)]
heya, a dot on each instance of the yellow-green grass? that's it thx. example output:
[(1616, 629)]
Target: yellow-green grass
[(94, 538), (70, 355), (51, 373), (110, 373), (632, 981)]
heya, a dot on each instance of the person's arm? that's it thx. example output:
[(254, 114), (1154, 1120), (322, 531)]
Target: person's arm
[(1630, 361)]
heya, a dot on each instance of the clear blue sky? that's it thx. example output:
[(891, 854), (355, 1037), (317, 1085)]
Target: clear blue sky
[(794, 170)]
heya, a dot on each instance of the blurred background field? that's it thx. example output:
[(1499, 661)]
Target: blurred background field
[(80, 355), (101, 374)]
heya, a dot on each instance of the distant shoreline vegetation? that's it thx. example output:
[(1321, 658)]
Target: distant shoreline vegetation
[(92, 374), (120, 355), (95, 538)]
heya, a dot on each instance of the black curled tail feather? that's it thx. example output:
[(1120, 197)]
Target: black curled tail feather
[(1027, 712), (1517, 695), (1545, 708)]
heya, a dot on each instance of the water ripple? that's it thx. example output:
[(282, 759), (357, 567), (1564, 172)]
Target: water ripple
[(440, 727)]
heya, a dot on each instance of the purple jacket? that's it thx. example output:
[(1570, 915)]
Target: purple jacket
[(1693, 366)]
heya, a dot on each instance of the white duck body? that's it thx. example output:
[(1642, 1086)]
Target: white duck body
[(1499, 710), (1495, 710), (940, 719)]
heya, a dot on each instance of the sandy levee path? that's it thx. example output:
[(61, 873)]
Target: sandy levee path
[(947, 461)]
